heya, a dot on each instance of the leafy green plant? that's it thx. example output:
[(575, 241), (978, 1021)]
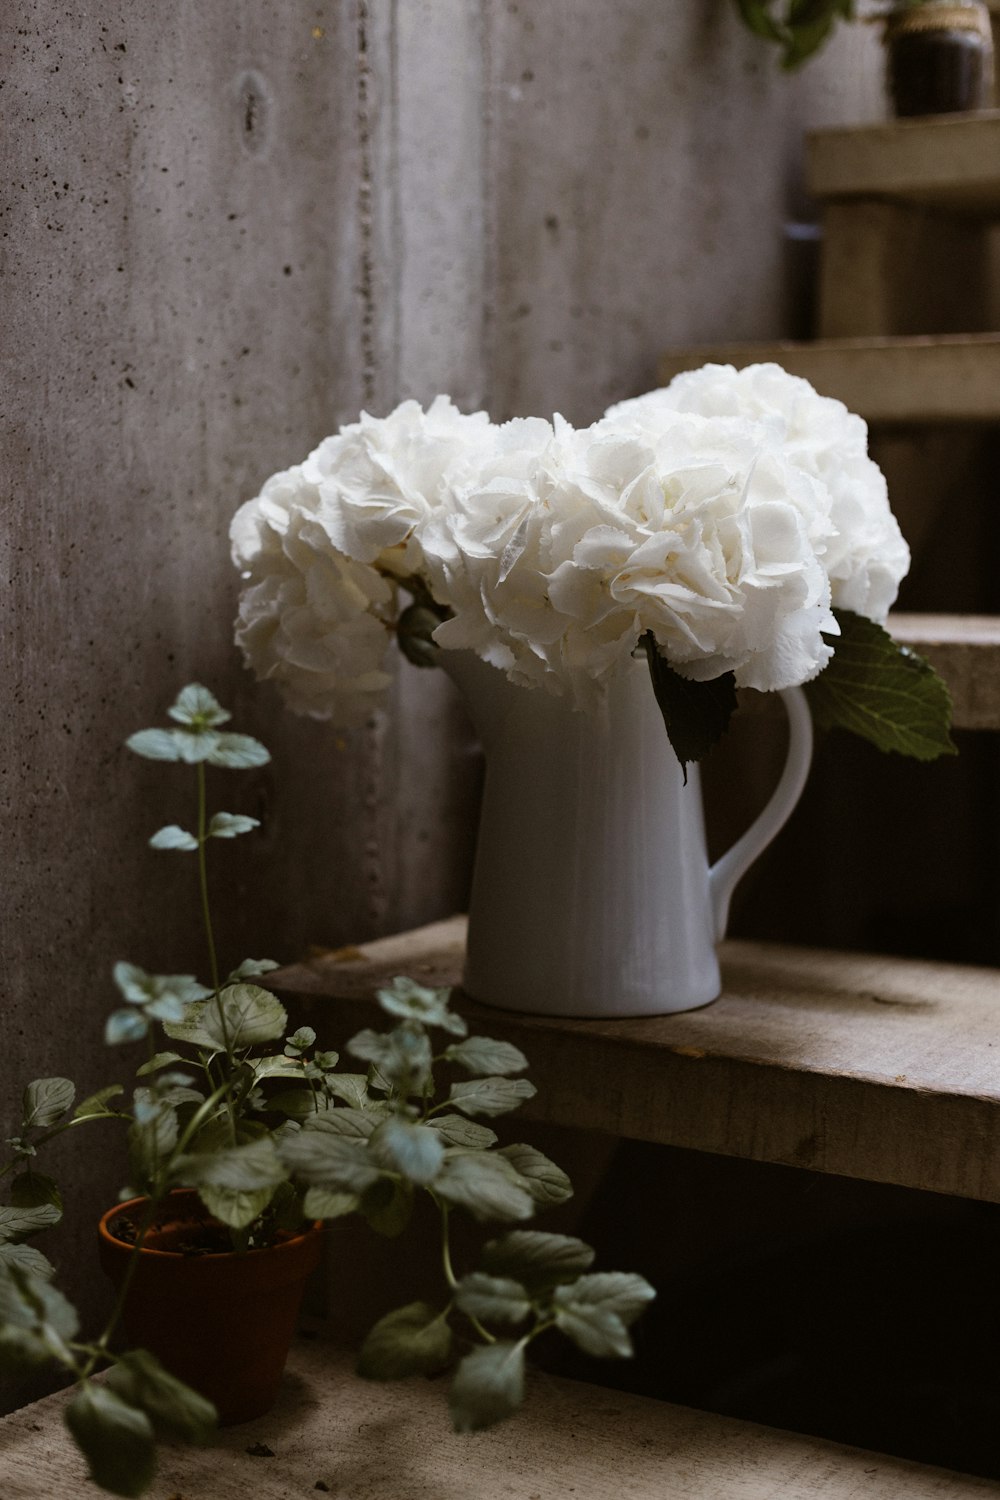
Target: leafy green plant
[(262, 1124), (801, 27)]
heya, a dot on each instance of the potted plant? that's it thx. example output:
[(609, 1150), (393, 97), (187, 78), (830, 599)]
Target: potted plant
[(586, 589), (242, 1136), (938, 52)]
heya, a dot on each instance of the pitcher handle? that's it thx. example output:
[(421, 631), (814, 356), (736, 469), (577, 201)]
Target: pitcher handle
[(725, 873)]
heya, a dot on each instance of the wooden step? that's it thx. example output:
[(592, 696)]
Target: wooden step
[(965, 649), (949, 162), (332, 1433), (948, 378), (877, 1068)]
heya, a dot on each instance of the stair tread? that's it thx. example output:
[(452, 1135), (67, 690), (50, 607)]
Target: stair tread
[(871, 1067), (950, 162)]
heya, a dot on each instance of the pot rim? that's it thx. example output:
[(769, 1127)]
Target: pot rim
[(288, 1245)]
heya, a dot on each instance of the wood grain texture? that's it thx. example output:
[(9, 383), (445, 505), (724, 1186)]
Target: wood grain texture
[(878, 1068), (334, 1433), (947, 162), (965, 649), (953, 378)]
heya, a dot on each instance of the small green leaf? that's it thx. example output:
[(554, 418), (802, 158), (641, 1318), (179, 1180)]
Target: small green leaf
[(96, 1105), (32, 1189), (155, 744), (416, 1002), (491, 1096), (488, 1387), (413, 1150), (197, 707), (480, 1054), (230, 825), (695, 714), (46, 1101), (156, 1062), (173, 1408), (412, 1340), (595, 1311), (28, 1259), (456, 1130), (883, 692), (539, 1260), (547, 1183), (320, 1203), (173, 837), (387, 1206), (253, 968), (115, 1439), (18, 1223), (300, 1040), (492, 1299), (485, 1184), (123, 1026), (139, 988), (151, 1138), (351, 1087), (237, 752), (403, 1057)]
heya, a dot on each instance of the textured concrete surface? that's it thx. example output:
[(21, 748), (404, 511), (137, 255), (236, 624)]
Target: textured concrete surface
[(226, 228)]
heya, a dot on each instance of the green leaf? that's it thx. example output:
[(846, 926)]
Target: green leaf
[(491, 1096), (297, 1104), (245, 1168), (480, 1054), (412, 1340), (173, 837), (329, 1161), (456, 1130), (237, 752), (357, 1123), (139, 988), (547, 1183), (32, 1189), (123, 1026), (196, 706), (253, 968), (27, 1258), (351, 1087), (46, 1101), (115, 1439), (96, 1105), (883, 692), (403, 1057), (156, 1062), (387, 1206), (416, 1002), (488, 1387), (249, 1015), (230, 825), (155, 744), (321, 1203), (18, 1223), (492, 1299), (28, 1300), (487, 1185), (300, 1040), (150, 1139), (595, 1311), (173, 1408), (538, 1260), (277, 1066), (414, 630), (235, 1207), (21, 1350), (413, 1150), (695, 714)]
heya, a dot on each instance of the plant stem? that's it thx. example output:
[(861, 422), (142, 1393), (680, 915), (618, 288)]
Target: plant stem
[(449, 1273), (100, 1349), (206, 914)]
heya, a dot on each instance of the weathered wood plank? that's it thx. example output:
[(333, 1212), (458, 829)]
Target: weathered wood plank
[(334, 1433), (879, 1068), (947, 378), (965, 649), (946, 161)]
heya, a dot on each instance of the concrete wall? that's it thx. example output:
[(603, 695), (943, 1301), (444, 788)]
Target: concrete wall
[(226, 228)]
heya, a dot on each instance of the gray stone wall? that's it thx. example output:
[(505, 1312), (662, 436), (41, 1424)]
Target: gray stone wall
[(226, 228)]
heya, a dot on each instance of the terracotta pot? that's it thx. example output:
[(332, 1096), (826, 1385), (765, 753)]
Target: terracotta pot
[(221, 1322)]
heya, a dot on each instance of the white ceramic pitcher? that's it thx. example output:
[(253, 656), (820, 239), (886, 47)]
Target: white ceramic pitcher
[(592, 893)]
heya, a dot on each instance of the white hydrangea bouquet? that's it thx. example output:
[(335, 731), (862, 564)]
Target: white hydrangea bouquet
[(731, 527)]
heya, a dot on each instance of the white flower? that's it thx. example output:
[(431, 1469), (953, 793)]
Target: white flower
[(379, 478), (864, 554)]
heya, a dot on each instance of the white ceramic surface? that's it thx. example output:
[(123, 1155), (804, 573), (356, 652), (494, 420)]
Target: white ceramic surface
[(592, 894)]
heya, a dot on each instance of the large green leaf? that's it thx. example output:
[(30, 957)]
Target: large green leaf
[(246, 1168), (492, 1299), (546, 1182), (412, 1340), (883, 692), (538, 1260), (488, 1386), (46, 1101), (173, 1408), (491, 1096), (115, 1439), (31, 1189), (695, 714), (242, 1014), (17, 1223), (329, 1161), (485, 1184), (387, 1206), (596, 1311), (480, 1054), (456, 1130)]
